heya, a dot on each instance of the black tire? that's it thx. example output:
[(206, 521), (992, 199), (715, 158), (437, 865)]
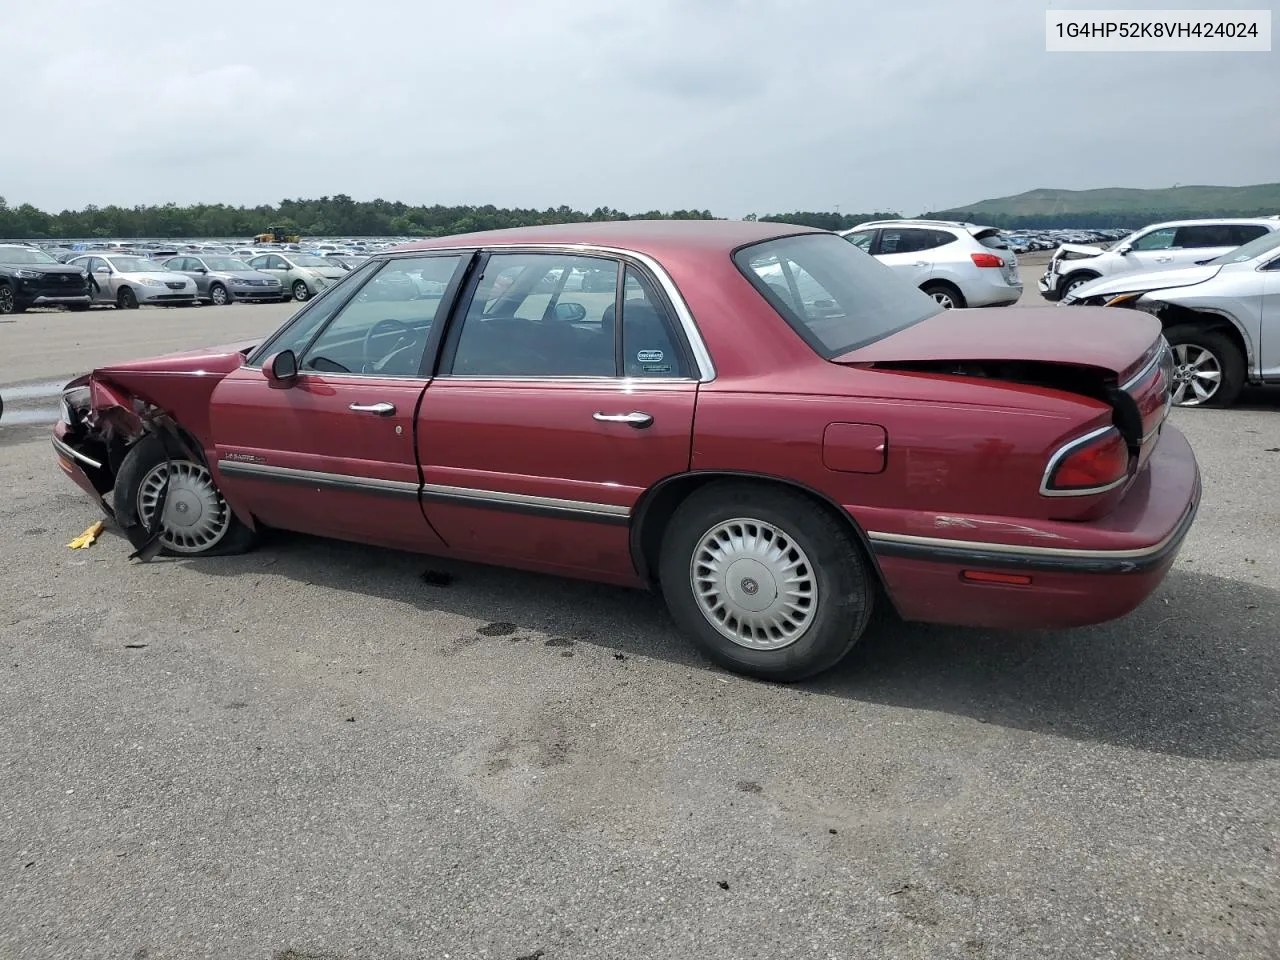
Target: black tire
[(126, 299), (945, 290), (218, 295), (300, 291), (145, 455), (1227, 355), (79, 307), (836, 566), (8, 303), (1073, 280)]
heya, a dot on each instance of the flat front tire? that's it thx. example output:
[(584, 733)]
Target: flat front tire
[(197, 521), (765, 581)]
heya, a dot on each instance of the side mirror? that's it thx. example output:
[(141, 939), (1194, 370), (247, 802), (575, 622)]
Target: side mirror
[(102, 270), (201, 270), (281, 369), (1124, 249), (570, 312)]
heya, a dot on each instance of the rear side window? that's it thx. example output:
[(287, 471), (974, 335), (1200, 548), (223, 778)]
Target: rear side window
[(992, 240), (911, 240), (1206, 235), (1242, 233), (832, 295)]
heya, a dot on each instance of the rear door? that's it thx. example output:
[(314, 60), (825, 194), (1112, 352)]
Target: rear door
[(553, 412), (904, 249), (333, 453), (1269, 340)]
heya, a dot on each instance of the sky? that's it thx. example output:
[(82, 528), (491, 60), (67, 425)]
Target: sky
[(736, 106)]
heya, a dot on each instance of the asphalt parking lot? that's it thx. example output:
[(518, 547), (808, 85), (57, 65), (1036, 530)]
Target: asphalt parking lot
[(313, 751)]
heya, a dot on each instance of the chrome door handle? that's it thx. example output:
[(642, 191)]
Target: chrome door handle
[(1164, 259), (378, 409), (635, 418), (922, 263)]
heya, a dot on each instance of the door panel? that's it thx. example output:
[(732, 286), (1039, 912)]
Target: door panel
[(1269, 339), (906, 251), (525, 472), (300, 458)]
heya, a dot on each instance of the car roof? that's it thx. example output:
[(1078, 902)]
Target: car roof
[(913, 222), (1271, 221), (657, 238)]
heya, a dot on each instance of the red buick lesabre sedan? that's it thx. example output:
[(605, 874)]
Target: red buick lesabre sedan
[(759, 420)]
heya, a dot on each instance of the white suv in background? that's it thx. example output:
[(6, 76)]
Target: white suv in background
[(958, 264), (1161, 246)]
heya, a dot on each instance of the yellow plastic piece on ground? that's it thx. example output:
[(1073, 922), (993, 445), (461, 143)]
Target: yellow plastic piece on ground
[(86, 539)]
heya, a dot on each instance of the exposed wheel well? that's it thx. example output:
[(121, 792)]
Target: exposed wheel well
[(942, 283), (659, 503), (1175, 316), (1071, 275)]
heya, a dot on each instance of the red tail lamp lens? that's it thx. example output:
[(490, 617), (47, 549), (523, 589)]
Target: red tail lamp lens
[(1099, 462), (986, 260)]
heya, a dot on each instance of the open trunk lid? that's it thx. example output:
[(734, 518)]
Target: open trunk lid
[(1118, 357)]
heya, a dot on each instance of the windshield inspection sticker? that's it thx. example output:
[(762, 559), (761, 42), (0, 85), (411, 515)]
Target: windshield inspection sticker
[(649, 356)]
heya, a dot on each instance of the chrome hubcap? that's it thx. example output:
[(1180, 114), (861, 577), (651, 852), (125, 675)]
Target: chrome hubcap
[(300, 290), (754, 584), (195, 517), (1197, 374), (944, 300), (219, 296)]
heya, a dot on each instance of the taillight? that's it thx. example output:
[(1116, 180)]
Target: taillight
[(1094, 463), (986, 260)]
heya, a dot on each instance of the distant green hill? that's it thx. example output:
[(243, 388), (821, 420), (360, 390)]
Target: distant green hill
[(1119, 206)]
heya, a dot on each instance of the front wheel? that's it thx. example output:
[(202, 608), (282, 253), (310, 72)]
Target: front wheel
[(196, 521), (300, 291), (765, 581), (1208, 369), (126, 299), (218, 295), (8, 303)]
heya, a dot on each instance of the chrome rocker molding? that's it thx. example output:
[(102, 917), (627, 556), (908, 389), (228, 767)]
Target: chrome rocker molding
[(434, 492)]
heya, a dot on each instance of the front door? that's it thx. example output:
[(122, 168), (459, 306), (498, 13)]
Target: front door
[(552, 414), (901, 248), (333, 451)]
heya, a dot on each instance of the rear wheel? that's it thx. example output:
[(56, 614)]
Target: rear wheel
[(764, 580), (947, 296), (1208, 369), (197, 521), (300, 291), (126, 299)]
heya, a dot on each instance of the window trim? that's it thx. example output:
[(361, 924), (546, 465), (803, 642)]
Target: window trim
[(659, 280)]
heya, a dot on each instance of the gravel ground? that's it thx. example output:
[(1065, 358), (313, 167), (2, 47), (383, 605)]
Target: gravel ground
[(310, 752)]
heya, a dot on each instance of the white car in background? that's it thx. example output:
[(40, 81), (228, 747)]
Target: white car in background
[(1160, 246), (958, 264), (1222, 318), (128, 282)]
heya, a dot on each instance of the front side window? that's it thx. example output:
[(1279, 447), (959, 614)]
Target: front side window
[(383, 329), (834, 298), (523, 322), (1155, 240)]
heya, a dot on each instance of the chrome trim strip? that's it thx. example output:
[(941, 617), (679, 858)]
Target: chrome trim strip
[(482, 497), (1061, 454), (74, 454), (400, 488), (1141, 374), (403, 488), (620, 381), (1029, 551), (701, 356)]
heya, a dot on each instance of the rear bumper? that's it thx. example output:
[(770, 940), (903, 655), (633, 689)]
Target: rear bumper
[(990, 289), (1075, 584)]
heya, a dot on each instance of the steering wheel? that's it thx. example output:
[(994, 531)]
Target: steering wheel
[(370, 365)]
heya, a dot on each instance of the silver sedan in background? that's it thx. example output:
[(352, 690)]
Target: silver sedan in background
[(223, 279), (129, 282)]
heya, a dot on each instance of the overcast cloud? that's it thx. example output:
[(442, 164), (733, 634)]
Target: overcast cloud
[(736, 106)]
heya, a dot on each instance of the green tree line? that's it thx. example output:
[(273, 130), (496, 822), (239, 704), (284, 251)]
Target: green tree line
[(339, 215)]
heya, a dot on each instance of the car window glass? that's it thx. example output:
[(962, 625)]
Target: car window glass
[(1155, 240), (896, 241), (1242, 233), (539, 315), (649, 344), (383, 329), (861, 239), (1205, 235)]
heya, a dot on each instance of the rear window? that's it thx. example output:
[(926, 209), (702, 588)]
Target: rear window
[(835, 296)]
